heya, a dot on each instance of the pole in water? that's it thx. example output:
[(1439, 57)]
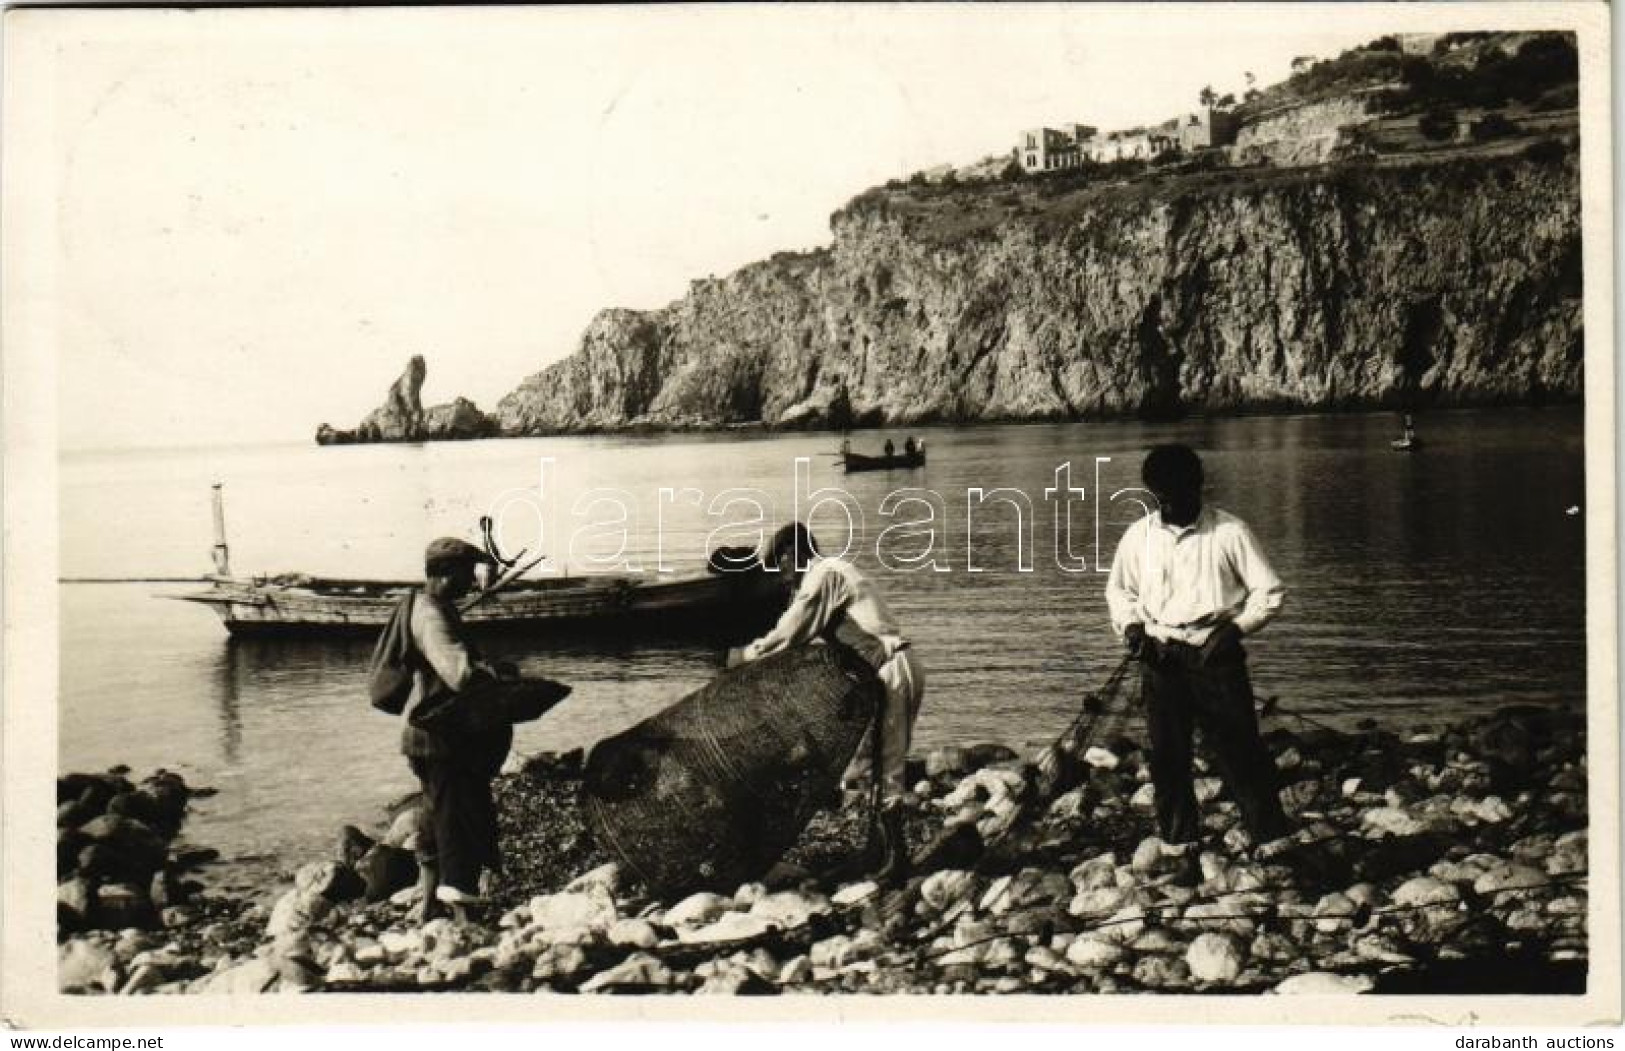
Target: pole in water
[(222, 554)]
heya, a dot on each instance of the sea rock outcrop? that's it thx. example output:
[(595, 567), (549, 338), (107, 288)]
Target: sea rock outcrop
[(402, 417)]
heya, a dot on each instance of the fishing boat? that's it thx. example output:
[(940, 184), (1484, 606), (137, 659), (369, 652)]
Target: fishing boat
[(703, 603), (854, 463), (1409, 442)]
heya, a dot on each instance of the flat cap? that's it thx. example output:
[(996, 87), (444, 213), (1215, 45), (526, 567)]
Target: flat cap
[(450, 549)]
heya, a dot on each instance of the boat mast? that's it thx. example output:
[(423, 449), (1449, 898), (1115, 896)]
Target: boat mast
[(222, 554)]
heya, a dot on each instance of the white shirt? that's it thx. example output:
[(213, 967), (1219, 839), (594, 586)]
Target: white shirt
[(829, 587), (1181, 582)]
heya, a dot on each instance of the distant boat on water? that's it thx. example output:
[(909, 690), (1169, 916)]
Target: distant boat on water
[(911, 457), (1409, 442)]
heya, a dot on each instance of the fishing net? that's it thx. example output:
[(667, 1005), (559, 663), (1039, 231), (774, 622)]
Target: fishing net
[(709, 793)]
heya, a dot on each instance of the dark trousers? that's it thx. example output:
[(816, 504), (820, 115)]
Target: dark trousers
[(1181, 693), (458, 824)]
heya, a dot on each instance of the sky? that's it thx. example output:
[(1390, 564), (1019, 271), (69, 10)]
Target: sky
[(259, 216)]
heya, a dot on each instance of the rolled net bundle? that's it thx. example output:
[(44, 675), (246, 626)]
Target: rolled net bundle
[(709, 793)]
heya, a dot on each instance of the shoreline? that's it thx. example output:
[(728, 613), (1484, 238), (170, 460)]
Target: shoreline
[(759, 428), (1419, 858)]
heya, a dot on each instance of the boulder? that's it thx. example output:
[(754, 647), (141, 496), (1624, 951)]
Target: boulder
[(787, 909), (1094, 873), (557, 962), (1324, 983), (403, 830), (1499, 881), (606, 877), (75, 905), (122, 905), (1162, 972), (730, 926), (947, 888), (634, 933), (697, 909), (637, 970), (83, 965), (1093, 954), (386, 870), (1216, 957), (591, 909), (1425, 890), (249, 978), (352, 846), (295, 911), (128, 849)]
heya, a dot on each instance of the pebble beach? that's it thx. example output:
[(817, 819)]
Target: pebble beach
[(1449, 859)]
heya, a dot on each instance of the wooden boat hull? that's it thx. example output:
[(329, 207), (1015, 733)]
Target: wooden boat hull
[(855, 463), (713, 603)]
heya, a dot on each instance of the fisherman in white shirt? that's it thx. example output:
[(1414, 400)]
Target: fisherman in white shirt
[(1187, 585), (826, 591)]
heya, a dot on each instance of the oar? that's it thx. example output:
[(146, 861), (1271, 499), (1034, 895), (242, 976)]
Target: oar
[(502, 581)]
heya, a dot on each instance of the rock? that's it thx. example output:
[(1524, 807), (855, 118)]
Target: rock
[(1383, 949), (121, 905), (796, 971), (947, 762), (1069, 805), (727, 978), (730, 926), (788, 909), (853, 893), (1043, 958), (1392, 822), (403, 830), (143, 979), (1099, 902), (1090, 953), (1324, 983), (1333, 913), (385, 871), (590, 909), (1095, 873), (244, 979), (562, 961), (697, 909), (85, 965), (946, 888), (353, 844), (129, 850), (1122, 926), (1215, 957), (1101, 758), (1221, 916), (1498, 881), (606, 877), (1162, 972), (295, 911), (636, 933), (75, 905), (1144, 798)]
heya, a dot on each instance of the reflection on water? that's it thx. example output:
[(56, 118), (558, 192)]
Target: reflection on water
[(1419, 586)]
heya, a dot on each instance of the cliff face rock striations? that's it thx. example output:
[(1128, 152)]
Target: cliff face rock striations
[(1446, 283), (402, 417)]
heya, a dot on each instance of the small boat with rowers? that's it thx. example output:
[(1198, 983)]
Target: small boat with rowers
[(912, 456), (733, 590)]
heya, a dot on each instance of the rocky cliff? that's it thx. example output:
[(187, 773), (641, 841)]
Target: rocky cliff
[(402, 417), (1444, 283)]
